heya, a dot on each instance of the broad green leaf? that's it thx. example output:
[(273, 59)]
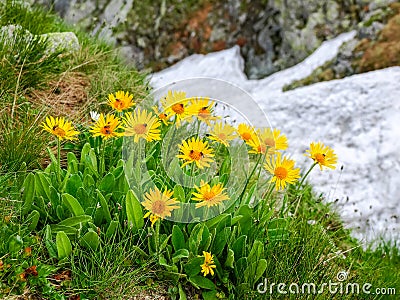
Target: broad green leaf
[(139, 251), (230, 259), (64, 247), (107, 183), (202, 282), (239, 246), (90, 240), (48, 241), (179, 193), (42, 186), (178, 239), (112, 228), (256, 252), (73, 184), (182, 294), (72, 231), (33, 219), (178, 255), (72, 163), (193, 266), (74, 221), (134, 211), (104, 206), (73, 205), (15, 243), (28, 194)]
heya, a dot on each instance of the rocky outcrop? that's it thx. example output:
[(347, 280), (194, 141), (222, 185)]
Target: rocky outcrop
[(272, 34)]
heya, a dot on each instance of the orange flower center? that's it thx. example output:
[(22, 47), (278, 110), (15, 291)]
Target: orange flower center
[(195, 155), (281, 172), (158, 207), (269, 142), (140, 128), (246, 136), (118, 104), (162, 116), (204, 112), (58, 131), (261, 149), (208, 195), (178, 108), (320, 158), (106, 130), (222, 136)]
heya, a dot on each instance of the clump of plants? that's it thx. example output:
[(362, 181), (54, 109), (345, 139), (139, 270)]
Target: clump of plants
[(201, 198)]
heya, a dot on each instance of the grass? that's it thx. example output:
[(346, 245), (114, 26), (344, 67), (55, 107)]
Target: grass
[(281, 239)]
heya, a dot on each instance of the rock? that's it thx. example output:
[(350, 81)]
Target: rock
[(66, 42), (357, 116)]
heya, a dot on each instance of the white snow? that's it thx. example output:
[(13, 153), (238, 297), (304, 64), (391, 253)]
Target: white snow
[(358, 116)]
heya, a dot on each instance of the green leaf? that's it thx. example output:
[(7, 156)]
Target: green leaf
[(178, 239), (179, 193), (239, 246), (42, 186), (15, 243), (28, 194), (104, 206), (139, 251), (66, 229), (202, 282), (213, 223), (230, 259), (33, 219), (195, 238), (182, 294), (73, 205), (193, 266), (64, 247), (246, 221), (48, 241), (261, 267), (74, 221), (107, 183), (178, 255), (111, 229), (73, 184), (256, 252), (134, 211), (90, 240), (72, 163)]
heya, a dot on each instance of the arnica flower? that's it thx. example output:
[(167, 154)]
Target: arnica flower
[(322, 155), (195, 151), (223, 133), (208, 265), (283, 171), (162, 116), (142, 124), (269, 139), (121, 101), (202, 109), (159, 205), (106, 127), (176, 104), (60, 128), (245, 131), (209, 196)]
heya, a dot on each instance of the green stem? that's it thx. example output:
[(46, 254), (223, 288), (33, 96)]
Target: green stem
[(299, 186), (102, 160), (248, 178), (59, 159)]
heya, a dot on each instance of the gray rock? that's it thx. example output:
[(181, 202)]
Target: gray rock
[(66, 42)]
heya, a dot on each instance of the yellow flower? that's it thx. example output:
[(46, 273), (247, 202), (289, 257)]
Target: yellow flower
[(269, 139), (195, 151), (223, 133), (283, 171), (176, 104), (245, 131), (106, 127), (159, 205), (121, 101), (322, 155), (162, 115), (60, 128), (142, 124), (208, 265), (209, 196), (202, 109)]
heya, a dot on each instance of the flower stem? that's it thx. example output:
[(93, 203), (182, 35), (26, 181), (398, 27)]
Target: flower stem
[(248, 179), (299, 186), (59, 159)]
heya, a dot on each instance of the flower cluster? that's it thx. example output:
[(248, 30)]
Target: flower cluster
[(263, 144)]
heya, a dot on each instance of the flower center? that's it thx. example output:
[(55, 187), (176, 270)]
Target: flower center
[(118, 104), (178, 108), (222, 136), (106, 130), (246, 136), (162, 116), (158, 207), (140, 128), (195, 155), (261, 149), (281, 172), (208, 195), (269, 142), (204, 112), (320, 158), (58, 131)]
